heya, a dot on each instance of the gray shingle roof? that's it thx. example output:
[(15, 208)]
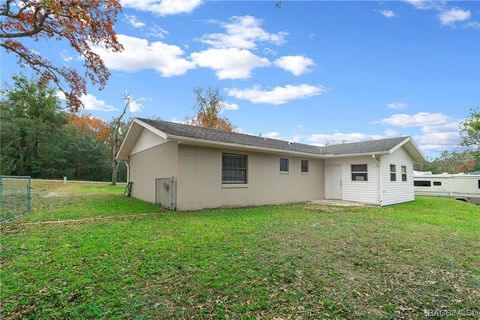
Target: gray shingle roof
[(363, 147), (184, 130)]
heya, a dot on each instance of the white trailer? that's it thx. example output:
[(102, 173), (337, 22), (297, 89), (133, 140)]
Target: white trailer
[(462, 187)]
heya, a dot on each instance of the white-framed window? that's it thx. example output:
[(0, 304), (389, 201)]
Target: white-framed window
[(304, 166), (393, 172), (404, 173), (359, 172), (284, 165), (234, 168)]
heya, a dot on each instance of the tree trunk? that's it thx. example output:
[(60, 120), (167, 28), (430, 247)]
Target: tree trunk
[(127, 100), (114, 171), (114, 153)]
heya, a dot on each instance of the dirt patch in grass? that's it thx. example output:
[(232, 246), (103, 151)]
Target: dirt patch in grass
[(54, 194), (330, 208), (58, 201)]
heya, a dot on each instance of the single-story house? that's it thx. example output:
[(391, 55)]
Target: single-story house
[(183, 167)]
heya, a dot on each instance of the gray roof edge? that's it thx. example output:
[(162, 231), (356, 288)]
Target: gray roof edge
[(321, 150), (238, 133)]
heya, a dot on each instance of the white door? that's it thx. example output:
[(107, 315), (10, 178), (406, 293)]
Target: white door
[(333, 182)]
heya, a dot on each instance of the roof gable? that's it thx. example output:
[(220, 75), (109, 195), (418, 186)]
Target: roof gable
[(412, 149), (147, 140)]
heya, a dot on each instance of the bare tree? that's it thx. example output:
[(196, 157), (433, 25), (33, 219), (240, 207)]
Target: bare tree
[(116, 127), (209, 106)]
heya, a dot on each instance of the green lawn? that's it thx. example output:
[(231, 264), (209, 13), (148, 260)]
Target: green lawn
[(288, 261), (56, 201)]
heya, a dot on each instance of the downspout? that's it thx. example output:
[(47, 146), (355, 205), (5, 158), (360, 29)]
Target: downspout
[(128, 190), (380, 180), (128, 168)]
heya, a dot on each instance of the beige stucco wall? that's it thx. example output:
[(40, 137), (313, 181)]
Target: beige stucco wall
[(145, 166), (199, 182)]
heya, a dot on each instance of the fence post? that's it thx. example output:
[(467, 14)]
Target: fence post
[(29, 196), (1, 190)]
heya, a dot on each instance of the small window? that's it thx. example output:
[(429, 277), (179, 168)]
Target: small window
[(422, 183), (437, 183), (393, 172), (304, 166), (283, 165), (478, 184), (404, 173), (234, 168), (359, 172)]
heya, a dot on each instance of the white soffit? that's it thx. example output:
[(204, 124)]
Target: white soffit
[(147, 140)]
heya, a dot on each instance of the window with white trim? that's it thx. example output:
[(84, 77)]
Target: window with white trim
[(284, 165), (393, 172), (304, 166), (234, 168), (404, 173), (359, 172)]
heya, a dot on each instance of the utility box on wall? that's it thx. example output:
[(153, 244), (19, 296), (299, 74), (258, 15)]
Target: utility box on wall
[(165, 192)]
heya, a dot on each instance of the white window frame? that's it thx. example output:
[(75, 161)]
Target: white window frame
[(404, 174), (245, 182), (288, 165), (393, 174), (356, 172), (301, 166)]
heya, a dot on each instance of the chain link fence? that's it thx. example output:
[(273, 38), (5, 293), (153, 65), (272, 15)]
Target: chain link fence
[(15, 196)]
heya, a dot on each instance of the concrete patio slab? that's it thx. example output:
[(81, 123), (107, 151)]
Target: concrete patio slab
[(340, 203)]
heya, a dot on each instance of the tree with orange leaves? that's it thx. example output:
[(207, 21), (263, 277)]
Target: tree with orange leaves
[(466, 166), (91, 126), (84, 24)]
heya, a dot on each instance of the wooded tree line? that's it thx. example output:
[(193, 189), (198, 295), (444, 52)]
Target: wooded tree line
[(41, 139), (452, 162)]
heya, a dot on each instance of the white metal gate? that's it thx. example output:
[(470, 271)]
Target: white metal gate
[(166, 192)]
